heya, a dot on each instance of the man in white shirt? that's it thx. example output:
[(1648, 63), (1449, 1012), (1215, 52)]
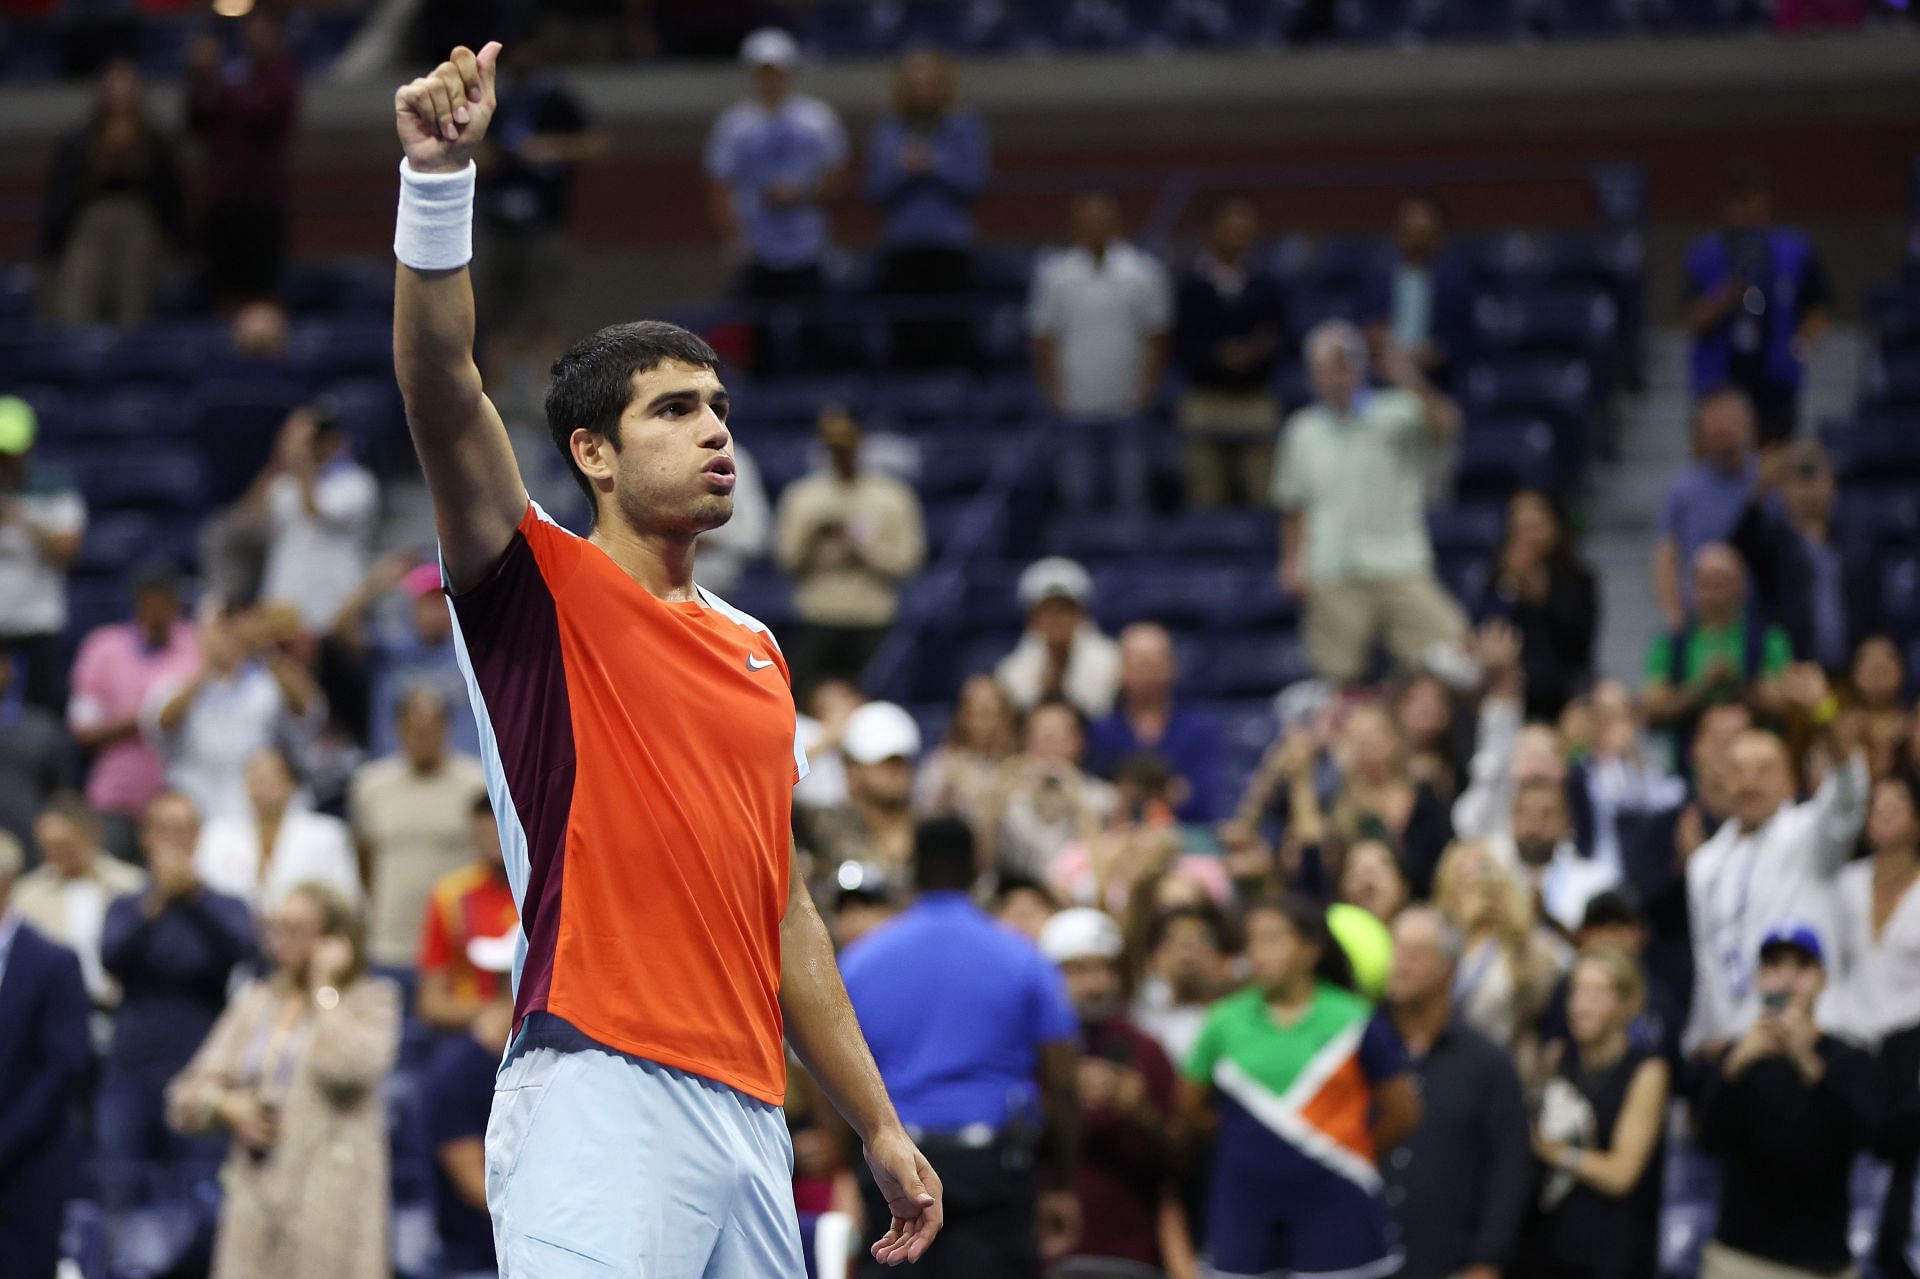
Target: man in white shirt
[(319, 507), (1773, 860), (1099, 317), (248, 693), (42, 519), (278, 844), (67, 896)]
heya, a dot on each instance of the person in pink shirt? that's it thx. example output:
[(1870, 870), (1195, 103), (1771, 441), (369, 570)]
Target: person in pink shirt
[(117, 666)]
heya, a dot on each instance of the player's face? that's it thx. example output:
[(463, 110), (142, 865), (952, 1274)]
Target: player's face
[(673, 472)]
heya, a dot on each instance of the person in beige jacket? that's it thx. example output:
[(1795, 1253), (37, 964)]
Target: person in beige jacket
[(852, 538), (293, 1070), (67, 895)]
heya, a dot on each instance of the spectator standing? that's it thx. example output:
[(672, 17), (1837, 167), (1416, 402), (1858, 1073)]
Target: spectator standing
[(1307, 1089), (1773, 860), (1562, 879), (118, 667), (1350, 484), (927, 162), (1371, 878), (1877, 688), (776, 159), (961, 777), (1099, 316), (1803, 577), (1550, 597), (1757, 302), (1187, 956), (243, 112), (279, 844), (410, 813), (66, 897), (1707, 501), (880, 745), (42, 520), (1423, 301), (293, 1070), (977, 1071), (1723, 652), (1873, 995), (1788, 1111), (112, 207), (1459, 1187), (45, 1061), (248, 693), (1148, 720), (851, 537), (458, 1088), (1508, 969), (1126, 1090), (539, 137), (33, 757), (1230, 316), (319, 507), (1062, 653), (173, 948), (1598, 1135), (1614, 921), (468, 910), (1378, 799)]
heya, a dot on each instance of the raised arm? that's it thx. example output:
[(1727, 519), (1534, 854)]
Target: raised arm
[(478, 495)]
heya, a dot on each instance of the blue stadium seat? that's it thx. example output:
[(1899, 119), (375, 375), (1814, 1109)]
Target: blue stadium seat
[(165, 480), (1900, 594), (72, 357), (1183, 595), (766, 593), (118, 539), (1096, 538), (1238, 533), (1894, 312), (238, 422), (175, 353), (1895, 381), (1465, 530), (1248, 666), (94, 601), (1498, 458), (1539, 384), (324, 350), (1583, 324), (371, 411)]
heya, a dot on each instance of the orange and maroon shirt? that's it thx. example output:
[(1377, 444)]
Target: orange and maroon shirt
[(641, 756)]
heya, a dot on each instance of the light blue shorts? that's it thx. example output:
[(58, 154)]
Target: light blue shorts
[(600, 1165)]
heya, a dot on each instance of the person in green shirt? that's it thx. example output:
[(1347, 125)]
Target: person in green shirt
[(1304, 1086), (1716, 657)]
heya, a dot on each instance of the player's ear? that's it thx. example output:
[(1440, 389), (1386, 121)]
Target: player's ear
[(593, 453)]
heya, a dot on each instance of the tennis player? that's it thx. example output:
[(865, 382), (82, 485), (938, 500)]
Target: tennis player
[(639, 740)]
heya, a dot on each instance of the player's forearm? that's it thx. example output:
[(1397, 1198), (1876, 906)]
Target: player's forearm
[(821, 1025), (433, 328)]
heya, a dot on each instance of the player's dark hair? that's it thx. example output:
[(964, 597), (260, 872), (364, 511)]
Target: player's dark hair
[(943, 856), (592, 384)]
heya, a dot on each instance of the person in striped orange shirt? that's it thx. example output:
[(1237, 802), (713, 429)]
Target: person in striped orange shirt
[(639, 739)]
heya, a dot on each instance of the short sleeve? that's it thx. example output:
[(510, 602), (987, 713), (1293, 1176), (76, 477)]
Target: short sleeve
[(1206, 1051), (800, 766), (436, 945), (349, 497), (833, 138), (1670, 510), (1291, 485), (723, 147), (1403, 417), (1382, 1055), (86, 707), (61, 513), (1054, 1016), (1043, 308), (1776, 652), (1659, 663), (1156, 297)]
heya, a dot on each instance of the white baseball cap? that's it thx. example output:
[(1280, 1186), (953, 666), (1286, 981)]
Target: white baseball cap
[(1081, 933), (1055, 577), (879, 731), (769, 47), (492, 954)]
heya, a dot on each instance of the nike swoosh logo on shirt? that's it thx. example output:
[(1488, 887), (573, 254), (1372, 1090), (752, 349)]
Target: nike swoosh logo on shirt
[(760, 665)]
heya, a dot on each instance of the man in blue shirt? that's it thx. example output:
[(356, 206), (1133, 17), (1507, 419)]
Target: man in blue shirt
[(977, 1042), (1708, 499), (775, 160), (44, 1061), (173, 949), (1422, 301), (1757, 298), (458, 1094), (1147, 720)]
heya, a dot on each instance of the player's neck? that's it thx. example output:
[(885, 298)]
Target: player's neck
[(661, 562)]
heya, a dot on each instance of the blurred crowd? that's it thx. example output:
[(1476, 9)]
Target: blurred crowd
[(1486, 946)]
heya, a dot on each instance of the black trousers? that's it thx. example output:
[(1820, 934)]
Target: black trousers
[(44, 681), (1900, 1073), (246, 250), (786, 339), (832, 652), (990, 1194), (929, 277)]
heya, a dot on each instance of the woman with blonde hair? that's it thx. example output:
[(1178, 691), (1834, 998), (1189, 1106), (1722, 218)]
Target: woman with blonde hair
[(1507, 974), (293, 1070), (1598, 1134)]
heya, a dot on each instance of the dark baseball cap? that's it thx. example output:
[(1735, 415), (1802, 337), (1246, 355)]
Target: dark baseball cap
[(1796, 935)]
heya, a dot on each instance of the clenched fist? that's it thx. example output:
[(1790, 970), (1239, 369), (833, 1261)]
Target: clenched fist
[(443, 116)]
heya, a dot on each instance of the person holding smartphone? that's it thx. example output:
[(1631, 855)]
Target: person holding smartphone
[(1788, 1110)]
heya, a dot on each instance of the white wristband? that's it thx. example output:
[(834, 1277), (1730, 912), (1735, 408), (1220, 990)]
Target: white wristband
[(434, 230)]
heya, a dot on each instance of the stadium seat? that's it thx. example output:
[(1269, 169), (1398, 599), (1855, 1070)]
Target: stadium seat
[(1580, 323), (238, 423), (163, 480), (1465, 530), (1900, 594), (1499, 458), (1248, 666)]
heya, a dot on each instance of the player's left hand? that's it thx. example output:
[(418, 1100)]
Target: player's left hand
[(912, 1190)]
